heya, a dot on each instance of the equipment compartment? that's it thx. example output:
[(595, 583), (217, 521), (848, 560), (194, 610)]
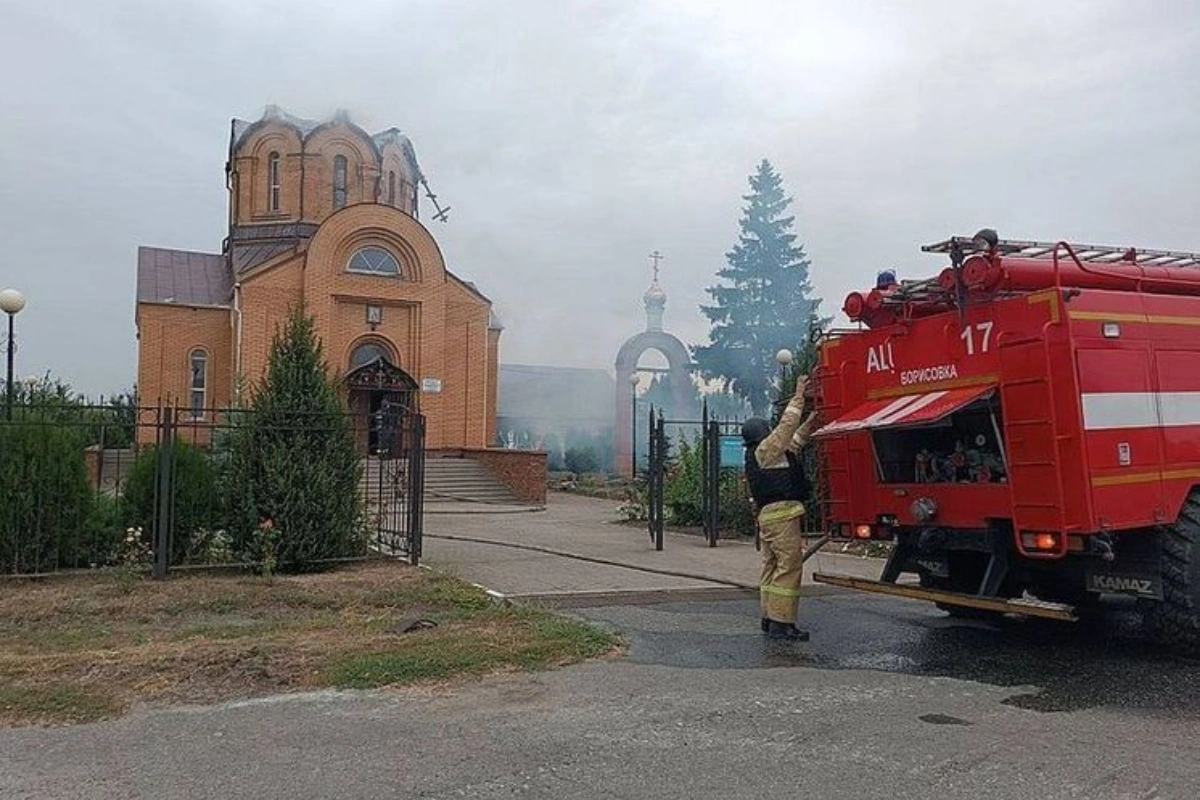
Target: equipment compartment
[(965, 447)]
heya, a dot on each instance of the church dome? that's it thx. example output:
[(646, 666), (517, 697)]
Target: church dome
[(655, 295)]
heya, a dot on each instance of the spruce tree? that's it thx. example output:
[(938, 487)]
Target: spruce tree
[(766, 304), (294, 471)]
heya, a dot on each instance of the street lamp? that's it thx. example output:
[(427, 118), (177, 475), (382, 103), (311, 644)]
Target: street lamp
[(11, 303), (784, 359), (633, 384)]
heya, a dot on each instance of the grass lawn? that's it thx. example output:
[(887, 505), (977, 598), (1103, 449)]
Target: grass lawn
[(87, 648)]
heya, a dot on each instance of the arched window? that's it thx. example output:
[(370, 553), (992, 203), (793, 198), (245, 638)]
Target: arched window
[(367, 352), (374, 260), (339, 181), (391, 188), (199, 382), (273, 182)]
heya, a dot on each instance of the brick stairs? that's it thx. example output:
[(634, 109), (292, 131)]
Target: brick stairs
[(464, 479)]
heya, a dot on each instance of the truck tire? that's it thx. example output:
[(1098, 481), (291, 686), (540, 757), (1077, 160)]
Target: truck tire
[(1175, 621)]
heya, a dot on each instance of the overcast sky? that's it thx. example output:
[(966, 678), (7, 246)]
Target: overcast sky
[(573, 138)]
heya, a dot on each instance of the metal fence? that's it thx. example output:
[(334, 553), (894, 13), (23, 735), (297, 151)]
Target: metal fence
[(711, 433), (86, 487), (721, 455)]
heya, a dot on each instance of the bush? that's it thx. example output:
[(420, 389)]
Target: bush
[(683, 496), (293, 468), (197, 499), (736, 511), (45, 497), (112, 423), (104, 531)]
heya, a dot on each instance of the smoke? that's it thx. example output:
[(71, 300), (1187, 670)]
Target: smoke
[(574, 139)]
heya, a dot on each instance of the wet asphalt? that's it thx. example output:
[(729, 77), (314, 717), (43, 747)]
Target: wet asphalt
[(1103, 662)]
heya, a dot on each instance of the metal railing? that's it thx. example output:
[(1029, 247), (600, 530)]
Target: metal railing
[(86, 487)]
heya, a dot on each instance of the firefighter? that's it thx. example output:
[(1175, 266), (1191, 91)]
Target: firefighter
[(778, 487)]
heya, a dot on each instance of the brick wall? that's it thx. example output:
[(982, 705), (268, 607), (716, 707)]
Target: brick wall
[(306, 173), (524, 472), (435, 326), (250, 192), (167, 335), (493, 385), (266, 300)]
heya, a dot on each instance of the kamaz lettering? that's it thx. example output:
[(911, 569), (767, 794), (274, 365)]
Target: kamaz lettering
[(1110, 583)]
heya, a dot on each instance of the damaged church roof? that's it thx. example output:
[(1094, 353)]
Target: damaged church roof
[(305, 128)]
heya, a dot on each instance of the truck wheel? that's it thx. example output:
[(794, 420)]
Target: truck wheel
[(1175, 621)]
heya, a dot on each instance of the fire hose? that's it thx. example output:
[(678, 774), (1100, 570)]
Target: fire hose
[(805, 556)]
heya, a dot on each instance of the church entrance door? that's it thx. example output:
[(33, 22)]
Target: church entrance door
[(382, 397)]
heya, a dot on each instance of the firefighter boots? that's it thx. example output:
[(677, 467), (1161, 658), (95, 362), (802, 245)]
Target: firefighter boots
[(784, 630)]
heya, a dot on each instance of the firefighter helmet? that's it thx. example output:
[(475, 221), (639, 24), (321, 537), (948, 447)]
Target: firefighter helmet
[(755, 429)]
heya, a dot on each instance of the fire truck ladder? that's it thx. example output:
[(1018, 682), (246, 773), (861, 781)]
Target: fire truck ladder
[(822, 468), (1087, 253), (916, 291)]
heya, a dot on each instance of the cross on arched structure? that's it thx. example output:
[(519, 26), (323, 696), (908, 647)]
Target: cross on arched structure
[(679, 362)]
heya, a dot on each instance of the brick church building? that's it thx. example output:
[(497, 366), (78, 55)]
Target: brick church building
[(326, 214)]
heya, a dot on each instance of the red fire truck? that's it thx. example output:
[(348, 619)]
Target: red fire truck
[(1025, 427)]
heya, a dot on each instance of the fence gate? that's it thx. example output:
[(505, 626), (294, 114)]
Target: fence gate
[(656, 476), (394, 478), (713, 459)]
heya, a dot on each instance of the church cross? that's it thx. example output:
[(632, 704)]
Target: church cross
[(656, 257)]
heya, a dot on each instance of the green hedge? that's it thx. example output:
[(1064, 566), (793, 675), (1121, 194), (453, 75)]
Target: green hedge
[(197, 511), (47, 520)]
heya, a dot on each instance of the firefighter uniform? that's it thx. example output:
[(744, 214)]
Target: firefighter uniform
[(778, 487)]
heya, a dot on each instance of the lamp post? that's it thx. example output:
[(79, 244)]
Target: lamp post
[(633, 384), (11, 303), (784, 359)]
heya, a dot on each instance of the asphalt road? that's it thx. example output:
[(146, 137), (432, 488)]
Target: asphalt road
[(891, 699), (1050, 666)]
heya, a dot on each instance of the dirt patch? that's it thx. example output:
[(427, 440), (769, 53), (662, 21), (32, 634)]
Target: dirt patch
[(84, 649)]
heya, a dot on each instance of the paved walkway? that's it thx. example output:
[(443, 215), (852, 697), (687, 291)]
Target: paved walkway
[(591, 529)]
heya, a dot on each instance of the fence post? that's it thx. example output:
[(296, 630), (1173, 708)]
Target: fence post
[(650, 492), (416, 489), (164, 491), (649, 473), (660, 447), (654, 477), (705, 468), (712, 457), (103, 443)]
